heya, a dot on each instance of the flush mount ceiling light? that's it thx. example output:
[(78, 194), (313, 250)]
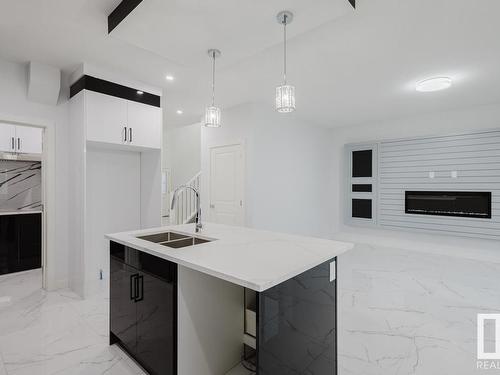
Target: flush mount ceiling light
[(285, 94), (179, 111), (213, 113), (434, 84), (169, 77)]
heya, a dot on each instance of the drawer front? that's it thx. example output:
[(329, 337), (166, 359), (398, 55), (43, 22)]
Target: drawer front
[(124, 254), (158, 267)]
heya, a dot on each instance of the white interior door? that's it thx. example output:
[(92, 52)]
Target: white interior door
[(227, 185)]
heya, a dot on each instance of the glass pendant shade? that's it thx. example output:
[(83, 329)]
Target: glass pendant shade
[(213, 113), (285, 94), (285, 98), (212, 117)]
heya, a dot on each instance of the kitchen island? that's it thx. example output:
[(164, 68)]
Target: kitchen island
[(198, 303)]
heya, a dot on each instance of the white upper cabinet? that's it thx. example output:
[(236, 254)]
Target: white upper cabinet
[(7, 138), (106, 118), (122, 122), (20, 139), (28, 140), (144, 122)]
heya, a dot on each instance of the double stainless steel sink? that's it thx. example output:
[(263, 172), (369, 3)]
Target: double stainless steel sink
[(174, 240)]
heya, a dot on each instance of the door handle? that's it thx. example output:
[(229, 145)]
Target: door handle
[(130, 134), (140, 287), (18, 144), (13, 144), (125, 132), (133, 286)]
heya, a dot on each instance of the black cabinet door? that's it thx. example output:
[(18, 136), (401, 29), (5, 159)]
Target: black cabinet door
[(20, 242), (29, 241), (156, 325), (8, 244), (123, 308), (297, 325)]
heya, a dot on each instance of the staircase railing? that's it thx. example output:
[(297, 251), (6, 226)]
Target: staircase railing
[(185, 207)]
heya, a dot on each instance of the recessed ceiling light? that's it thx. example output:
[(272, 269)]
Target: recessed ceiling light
[(179, 111), (434, 84), (139, 92), (169, 77)]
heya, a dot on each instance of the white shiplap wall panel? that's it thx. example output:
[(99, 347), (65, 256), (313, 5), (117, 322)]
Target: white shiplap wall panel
[(405, 165)]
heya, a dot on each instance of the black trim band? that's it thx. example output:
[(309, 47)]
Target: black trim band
[(113, 89), (121, 12)]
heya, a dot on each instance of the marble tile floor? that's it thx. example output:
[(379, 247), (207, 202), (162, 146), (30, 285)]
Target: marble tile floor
[(400, 313), (406, 312), (52, 333)]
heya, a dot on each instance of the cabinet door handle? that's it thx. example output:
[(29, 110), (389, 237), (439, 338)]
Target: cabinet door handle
[(125, 132), (140, 287), (18, 144), (133, 286), (13, 144), (130, 133)]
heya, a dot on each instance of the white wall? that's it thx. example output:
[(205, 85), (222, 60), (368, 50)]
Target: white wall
[(461, 121), (14, 104), (113, 204), (288, 168), (184, 152)]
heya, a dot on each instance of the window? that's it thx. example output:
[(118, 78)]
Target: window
[(362, 163), (362, 188), (362, 208), (361, 193)]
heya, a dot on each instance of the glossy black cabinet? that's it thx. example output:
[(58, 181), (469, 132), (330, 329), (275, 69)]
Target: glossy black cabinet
[(143, 308), (123, 309), (297, 324), (20, 242), (156, 326)]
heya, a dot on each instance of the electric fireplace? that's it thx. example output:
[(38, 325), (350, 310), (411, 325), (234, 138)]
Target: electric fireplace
[(449, 203)]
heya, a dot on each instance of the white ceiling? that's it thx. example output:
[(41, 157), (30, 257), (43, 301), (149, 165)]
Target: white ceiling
[(348, 66), (182, 31)]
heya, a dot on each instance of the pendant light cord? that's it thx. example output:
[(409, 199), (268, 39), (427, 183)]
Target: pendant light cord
[(213, 79), (284, 47)]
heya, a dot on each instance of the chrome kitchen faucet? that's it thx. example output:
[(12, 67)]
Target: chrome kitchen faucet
[(199, 226)]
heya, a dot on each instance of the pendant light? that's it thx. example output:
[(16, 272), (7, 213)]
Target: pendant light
[(285, 94), (213, 113)]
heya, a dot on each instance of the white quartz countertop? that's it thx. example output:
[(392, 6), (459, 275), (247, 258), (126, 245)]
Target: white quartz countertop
[(251, 258), (19, 212)]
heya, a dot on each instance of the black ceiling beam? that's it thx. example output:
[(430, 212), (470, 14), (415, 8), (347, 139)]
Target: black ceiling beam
[(121, 12), (353, 3), (114, 89)]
